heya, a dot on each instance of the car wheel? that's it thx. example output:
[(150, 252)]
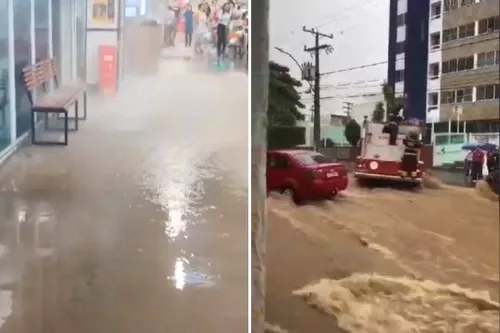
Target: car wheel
[(332, 196), (290, 192)]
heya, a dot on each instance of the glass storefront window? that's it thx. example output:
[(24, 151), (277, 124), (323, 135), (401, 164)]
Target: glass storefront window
[(4, 77), (81, 41), (56, 33), (22, 58), (42, 29)]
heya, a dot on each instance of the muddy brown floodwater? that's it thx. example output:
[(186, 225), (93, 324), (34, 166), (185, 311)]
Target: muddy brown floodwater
[(384, 260), (140, 224)]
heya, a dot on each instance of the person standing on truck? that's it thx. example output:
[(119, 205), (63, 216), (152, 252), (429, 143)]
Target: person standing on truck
[(411, 155), (477, 161)]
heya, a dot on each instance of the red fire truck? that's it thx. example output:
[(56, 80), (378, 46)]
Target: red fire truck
[(383, 153)]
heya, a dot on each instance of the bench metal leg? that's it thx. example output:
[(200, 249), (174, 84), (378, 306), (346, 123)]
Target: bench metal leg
[(76, 115), (84, 106), (34, 141), (66, 127), (33, 127)]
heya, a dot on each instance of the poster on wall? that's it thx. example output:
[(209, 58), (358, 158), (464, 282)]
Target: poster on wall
[(103, 12)]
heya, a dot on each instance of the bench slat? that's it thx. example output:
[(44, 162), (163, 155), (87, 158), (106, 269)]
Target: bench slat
[(41, 73)]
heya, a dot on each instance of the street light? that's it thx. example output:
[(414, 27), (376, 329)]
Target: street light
[(301, 67), (279, 49)]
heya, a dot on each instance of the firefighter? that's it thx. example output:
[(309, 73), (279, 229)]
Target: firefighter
[(411, 154), (392, 128), (477, 165)]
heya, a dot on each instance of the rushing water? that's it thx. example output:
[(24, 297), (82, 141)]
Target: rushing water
[(446, 242)]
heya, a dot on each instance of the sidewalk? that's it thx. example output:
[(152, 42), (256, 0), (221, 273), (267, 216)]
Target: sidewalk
[(139, 225)]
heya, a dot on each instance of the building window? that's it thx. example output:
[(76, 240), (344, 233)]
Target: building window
[(436, 10), (463, 95), (401, 20), (450, 5), (464, 3), (464, 64), (489, 25), (448, 97), (452, 65), (450, 35), (487, 92), (435, 40), (457, 96), (433, 99), (400, 47), (467, 30), (400, 75), (445, 67), (487, 59), (434, 70)]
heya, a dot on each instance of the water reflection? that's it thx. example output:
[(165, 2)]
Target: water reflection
[(179, 274), (174, 181), (185, 275), (176, 223), (5, 305)]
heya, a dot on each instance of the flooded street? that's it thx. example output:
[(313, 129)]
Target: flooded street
[(140, 224), (435, 255)]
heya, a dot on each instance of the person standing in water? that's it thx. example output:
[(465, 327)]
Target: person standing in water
[(477, 165), (222, 31), (188, 25)]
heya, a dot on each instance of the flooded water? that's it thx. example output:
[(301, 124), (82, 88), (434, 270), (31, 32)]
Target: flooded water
[(367, 303), (140, 224), (448, 236)]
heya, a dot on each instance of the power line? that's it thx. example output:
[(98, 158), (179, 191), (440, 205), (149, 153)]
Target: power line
[(386, 61), (331, 18), (450, 88)]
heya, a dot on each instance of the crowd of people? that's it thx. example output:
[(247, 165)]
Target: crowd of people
[(207, 24), (477, 159)]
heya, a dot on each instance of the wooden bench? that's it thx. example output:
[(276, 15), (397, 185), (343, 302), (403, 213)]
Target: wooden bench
[(37, 78)]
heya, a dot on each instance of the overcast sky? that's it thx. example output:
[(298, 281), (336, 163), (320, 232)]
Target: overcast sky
[(360, 30)]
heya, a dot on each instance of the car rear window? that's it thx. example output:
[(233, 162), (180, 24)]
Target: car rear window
[(311, 159)]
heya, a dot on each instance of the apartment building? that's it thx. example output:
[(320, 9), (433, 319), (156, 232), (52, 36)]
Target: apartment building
[(462, 62), (408, 53)]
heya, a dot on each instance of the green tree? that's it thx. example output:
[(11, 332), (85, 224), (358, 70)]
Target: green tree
[(284, 100), (352, 132), (378, 112)]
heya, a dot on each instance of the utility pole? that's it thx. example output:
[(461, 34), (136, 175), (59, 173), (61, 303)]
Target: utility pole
[(317, 47), (348, 108)]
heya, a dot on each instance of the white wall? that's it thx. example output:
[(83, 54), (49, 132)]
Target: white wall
[(100, 34), (435, 56)]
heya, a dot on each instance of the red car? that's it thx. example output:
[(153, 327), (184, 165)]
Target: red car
[(304, 174)]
